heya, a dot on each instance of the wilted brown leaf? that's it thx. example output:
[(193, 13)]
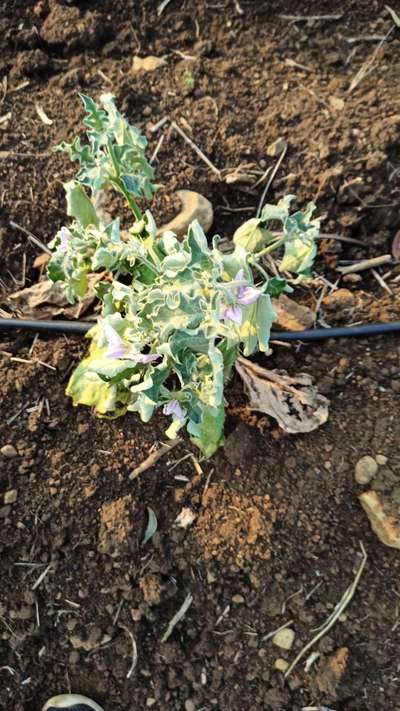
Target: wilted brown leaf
[(47, 299), (293, 401)]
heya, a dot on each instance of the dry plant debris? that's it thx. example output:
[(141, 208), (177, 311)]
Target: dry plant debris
[(293, 401)]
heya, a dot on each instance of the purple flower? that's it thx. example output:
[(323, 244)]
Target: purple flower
[(65, 236), (233, 313), (173, 407), (117, 348), (145, 357), (245, 295)]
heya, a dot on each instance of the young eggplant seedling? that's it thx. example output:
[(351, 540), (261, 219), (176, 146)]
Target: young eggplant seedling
[(175, 313)]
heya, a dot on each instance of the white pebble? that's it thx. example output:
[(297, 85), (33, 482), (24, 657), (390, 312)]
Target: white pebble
[(284, 638), (366, 468)]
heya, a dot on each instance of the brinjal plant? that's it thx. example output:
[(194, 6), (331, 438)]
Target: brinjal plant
[(175, 313)]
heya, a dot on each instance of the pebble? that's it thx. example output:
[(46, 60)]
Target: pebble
[(9, 451), (381, 459), (147, 64), (284, 638), (189, 705), (194, 207), (211, 578), (386, 527), (366, 468), (291, 316), (281, 664), (336, 103), (352, 278), (150, 701), (238, 599), (10, 496)]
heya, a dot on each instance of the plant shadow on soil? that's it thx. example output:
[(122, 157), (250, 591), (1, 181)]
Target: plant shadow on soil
[(278, 523)]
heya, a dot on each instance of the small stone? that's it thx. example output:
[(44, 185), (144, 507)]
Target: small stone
[(150, 701), (211, 578), (386, 527), (194, 207), (185, 518), (352, 278), (276, 148), (291, 316), (284, 638), (381, 459), (147, 64), (189, 705), (9, 451), (336, 103), (238, 599), (281, 664), (10, 496), (366, 468)]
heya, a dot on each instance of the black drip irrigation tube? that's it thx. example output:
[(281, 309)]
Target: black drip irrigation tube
[(316, 334)]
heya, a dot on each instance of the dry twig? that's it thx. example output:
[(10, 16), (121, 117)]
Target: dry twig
[(134, 651), (42, 576), (177, 617), (30, 236), (365, 264), (306, 18), (332, 619), (381, 282), (154, 457), (370, 64), (196, 148), (271, 177)]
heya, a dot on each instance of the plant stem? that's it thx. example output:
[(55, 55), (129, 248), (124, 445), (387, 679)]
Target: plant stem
[(120, 186), (267, 250), (261, 270)]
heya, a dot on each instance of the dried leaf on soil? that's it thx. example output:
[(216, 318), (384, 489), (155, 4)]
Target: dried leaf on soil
[(151, 526), (47, 299), (293, 401)]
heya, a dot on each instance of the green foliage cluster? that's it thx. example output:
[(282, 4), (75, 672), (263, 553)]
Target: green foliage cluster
[(175, 314)]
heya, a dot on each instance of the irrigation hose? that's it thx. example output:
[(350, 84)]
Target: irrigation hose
[(317, 334)]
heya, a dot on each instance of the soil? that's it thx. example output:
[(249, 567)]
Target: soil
[(275, 519)]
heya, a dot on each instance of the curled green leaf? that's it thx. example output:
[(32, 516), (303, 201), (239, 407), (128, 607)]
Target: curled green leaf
[(151, 527)]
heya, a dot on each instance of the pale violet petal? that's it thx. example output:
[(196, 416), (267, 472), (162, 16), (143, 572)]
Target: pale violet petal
[(248, 295), (234, 313), (173, 407)]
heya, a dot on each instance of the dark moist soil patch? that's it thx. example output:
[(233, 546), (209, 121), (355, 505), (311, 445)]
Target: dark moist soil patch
[(276, 519)]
